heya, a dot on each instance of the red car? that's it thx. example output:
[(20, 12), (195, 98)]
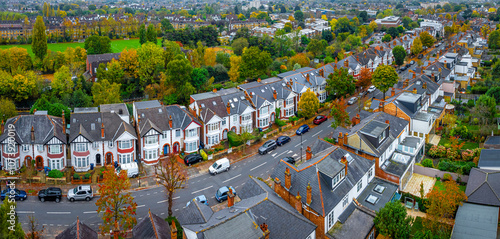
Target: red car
[(319, 119)]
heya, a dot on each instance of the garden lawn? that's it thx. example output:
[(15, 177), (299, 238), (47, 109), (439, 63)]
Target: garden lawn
[(467, 145), (418, 226), (440, 185)]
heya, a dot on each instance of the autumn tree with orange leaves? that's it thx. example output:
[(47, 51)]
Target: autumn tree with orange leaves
[(365, 78), (116, 207), (339, 113), (171, 176), (441, 207)]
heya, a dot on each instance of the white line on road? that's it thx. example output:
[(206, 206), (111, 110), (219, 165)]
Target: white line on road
[(202, 189), (177, 209), (280, 154), (176, 197), (297, 145), (25, 212), (257, 166), (229, 179), (162, 201), (90, 212), (317, 133), (273, 155), (58, 212), (141, 205), (289, 152)]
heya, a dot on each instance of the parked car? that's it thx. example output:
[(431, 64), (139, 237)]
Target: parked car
[(403, 68), (192, 159), (289, 160), (352, 100), (267, 147), (200, 199), (420, 56), (371, 89), (132, 169), (282, 140), (20, 195), (362, 93), (222, 193), (319, 119), (302, 129), (50, 194), (219, 166), (83, 192), (412, 62)]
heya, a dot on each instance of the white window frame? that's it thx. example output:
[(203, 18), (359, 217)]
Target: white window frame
[(329, 220), (263, 122), (151, 154), (213, 139), (213, 127), (82, 162), (125, 144), (56, 163), (164, 135), (235, 119), (151, 140), (289, 102), (95, 145), (246, 118), (125, 158), (39, 148), (345, 201), (224, 121), (264, 111), (359, 185), (289, 112), (26, 147), (7, 164), (191, 133), (55, 149), (191, 146), (370, 173), (80, 147), (177, 133)]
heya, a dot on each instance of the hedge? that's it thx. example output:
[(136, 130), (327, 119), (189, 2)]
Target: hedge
[(234, 139), (54, 173), (452, 166)]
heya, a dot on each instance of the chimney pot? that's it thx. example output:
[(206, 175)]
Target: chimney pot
[(170, 123), (308, 153), (228, 108), (258, 80), (345, 139), (381, 106), (346, 163), (393, 92), (275, 94), (309, 194), (214, 90), (288, 179), (230, 198), (298, 203), (102, 130), (414, 90)]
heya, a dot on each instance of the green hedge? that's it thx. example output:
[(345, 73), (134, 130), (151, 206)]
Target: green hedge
[(428, 163), (54, 173), (454, 166), (234, 139)]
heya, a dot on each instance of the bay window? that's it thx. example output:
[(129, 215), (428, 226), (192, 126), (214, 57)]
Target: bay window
[(289, 102), (81, 162), (246, 118), (11, 164), (55, 149), (191, 133), (124, 158), (177, 133), (213, 127), (56, 164), (263, 122), (125, 144), (80, 147), (151, 140), (151, 154), (235, 119), (214, 139), (191, 146), (289, 112), (264, 110)]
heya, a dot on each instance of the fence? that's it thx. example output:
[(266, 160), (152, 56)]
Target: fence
[(432, 172), (467, 96)]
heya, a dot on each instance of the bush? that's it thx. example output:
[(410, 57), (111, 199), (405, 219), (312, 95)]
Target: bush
[(329, 140), (54, 173), (204, 155), (428, 163), (86, 176), (23, 169), (462, 132), (76, 176), (234, 139), (437, 151), (293, 118), (279, 122), (219, 148), (447, 177)]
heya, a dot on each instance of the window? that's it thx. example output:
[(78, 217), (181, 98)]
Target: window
[(263, 122), (151, 140), (224, 121), (214, 139), (11, 163), (246, 128), (164, 135), (191, 146), (360, 184), (280, 103), (322, 87), (55, 149), (26, 147), (345, 201), (246, 118), (191, 133), (124, 158), (151, 154), (56, 164), (322, 97), (235, 119), (80, 147), (381, 137), (39, 148), (10, 149), (264, 110), (330, 221), (95, 145), (125, 144), (370, 173), (213, 127), (289, 102), (289, 112), (82, 162), (336, 180)]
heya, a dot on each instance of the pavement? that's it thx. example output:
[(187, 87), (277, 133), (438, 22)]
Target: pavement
[(413, 186)]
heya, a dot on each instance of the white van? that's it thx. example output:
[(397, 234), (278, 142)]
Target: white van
[(132, 169), (219, 166)]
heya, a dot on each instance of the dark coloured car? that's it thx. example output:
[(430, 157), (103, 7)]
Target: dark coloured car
[(302, 129), (289, 160), (282, 140), (319, 119), (192, 159), (19, 194), (267, 147), (221, 194), (50, 194)]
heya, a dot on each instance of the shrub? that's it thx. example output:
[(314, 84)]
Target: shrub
[(219, 148), (467, 167), (437, 151), (54, 173), (23, 169), (462, 132), (279, 122), (428, 163), (452, 154), (421, 202), (86, 176), (329, 140), (233, 139), (447, 177), (76, 176), (204, 155), (467, 155), (293, 118)]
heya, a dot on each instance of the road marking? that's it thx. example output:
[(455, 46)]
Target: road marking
[(304, 140), (25, 212), (90, 212), (155, 193), (66, 225), (295, 155), (257, 166), (58, 212), (229, 179), (44, 224), (51, 225), (141, 206), (141, 195), (316, 133), (202, 189), (59, 225), (297, 145), (148, 194), (280, 154), (273, 155), (162, 201), (177, 209), (176, 197), (162, 213), (289, 152)]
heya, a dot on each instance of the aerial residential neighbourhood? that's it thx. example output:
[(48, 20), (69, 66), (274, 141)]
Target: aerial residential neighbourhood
[(249, 119)]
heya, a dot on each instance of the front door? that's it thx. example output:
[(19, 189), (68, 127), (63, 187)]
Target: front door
[(176, 148), (39, 162), (28, 162), (98, 159), (166, 149), (224, 136), (109, 158)]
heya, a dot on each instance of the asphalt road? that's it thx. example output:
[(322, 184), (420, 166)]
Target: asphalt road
[(55, 217)]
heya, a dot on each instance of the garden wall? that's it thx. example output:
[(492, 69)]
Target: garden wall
[(432, 172)]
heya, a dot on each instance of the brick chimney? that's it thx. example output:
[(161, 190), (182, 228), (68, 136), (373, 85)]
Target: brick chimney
[(393, 92), (308, 78), (298, 203), (414, 90), (445, 66), (63, 122), (258, 80), (406, 83), (381, 48), (340, 140), (357, 58), (228, 108), (32, 134), (173, 230), (381, 106), (345, 162), (345, 138), (322, 72), (170, 121), (308, 153), (346, 63), (288, 179), (424, 86), (335, 67), (414, 75), (309, 194), (102, 130), (265, 229), (230, 198), (358, 119), (336, 60), (214, 90), (387, 122), (275, 94)]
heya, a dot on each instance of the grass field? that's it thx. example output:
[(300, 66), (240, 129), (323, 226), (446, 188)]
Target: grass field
[(440, 186), (116, 45)]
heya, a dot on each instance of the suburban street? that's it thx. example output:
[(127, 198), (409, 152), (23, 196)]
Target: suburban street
[(57, 216)]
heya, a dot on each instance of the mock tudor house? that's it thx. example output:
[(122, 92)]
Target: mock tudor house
[(38, 137), (306, 78), (164, 130), (100, 138)]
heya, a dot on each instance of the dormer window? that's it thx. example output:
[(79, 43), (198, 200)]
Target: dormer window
[(336, 180), (381, 137)]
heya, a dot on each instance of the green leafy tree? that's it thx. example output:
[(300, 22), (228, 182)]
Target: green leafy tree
[(308, 104), (151, 34), (97, 45), (384, 77), (254, 62), (399, 54), (142, 34), (316, 47), (39, 39), (7, 109), (392, 221), (494, 92), (105, 92), (112, 71), (238, 45), (151, 63), (166, 26), (223, 58), (199, 77), (299, 16), (10, 228), (494, 39), (489, 103), (417, 46), (340, 83), (339, 113), (62, 83), (178, 75), (393, 32), (386, 38), (427, 39), (80, 99), (172, 49)]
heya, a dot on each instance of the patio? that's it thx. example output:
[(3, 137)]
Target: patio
[(413, 186)]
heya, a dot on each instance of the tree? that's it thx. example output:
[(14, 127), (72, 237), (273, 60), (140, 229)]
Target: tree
[(129, 62), (210, 57), (373, 25), (151, 34), (399, 54), (142, 34), (238, 45), (172, 49), (299, 16), (384, 77), (7, 109), (244, 137), (392, 221), (166, 26), (254, 62), (494, 39), (199, 77), (427, 39), (116, 206), (62, 83), (105, 92), (39, 39), (339, 113), (308, 104), (365, 78), (97, 45), (9, 228), (494, 92), (316, 47), (75, 60), (234, 71), (393, 32), (340, 83), (442, 205), (151, 62), (112, 71), (34, 233), (416, 48), (16, 60), (178, 74), (301, 59), (386, 38), (489, 103), (223, 58), (171, 176), (80, 99)]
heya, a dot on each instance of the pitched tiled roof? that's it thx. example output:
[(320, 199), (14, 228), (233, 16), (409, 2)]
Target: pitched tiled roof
[(152, 227), (483, 187), (89, 126), (45, 128), (78, 230), (158, 118)]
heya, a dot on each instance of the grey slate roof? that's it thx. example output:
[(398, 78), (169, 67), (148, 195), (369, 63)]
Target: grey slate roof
[(260, 92), (147, 104), (492, 142), (120, 107), (385, 197), (45, 128), (324, 198), (114, 126), (241, 226), (489, 158), (358, 224), (483, 187), (80, 231), (157, 118), (475, 221), (236, 99), (152, 227)]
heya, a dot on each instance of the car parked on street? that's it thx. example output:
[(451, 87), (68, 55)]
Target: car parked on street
[(192, 159), (319, 119), (289, 160), (20, 195), (200, 199), (219, 166), (267, 147), (352, 100), (282, 140), (222, 193), (302, 129), (83, 192), (371, 89), (50, 194), (412, 62)]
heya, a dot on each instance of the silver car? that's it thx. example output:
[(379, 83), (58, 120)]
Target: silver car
[(352, 100), (83, 192)]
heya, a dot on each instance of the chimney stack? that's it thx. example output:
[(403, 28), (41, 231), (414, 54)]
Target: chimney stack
[(346, 63), (298, 203), (228, 108), (357, 58), (414, 75), (406, 83), (414, 90), (340, 140), (230, 198), (288, 179), (214, 90), (63, 122), (424, 86), (173, 230), (388, 123), (381, 106), (393, 92), (322, 72), (275, 94), (335, 67), (358, 119), (264, 229), (32, 134), (170, 123), (258, 80), (336, 60), (308, 78), (345, 138), (102, 130), (308, 153), (346, 163), (309, 194)]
